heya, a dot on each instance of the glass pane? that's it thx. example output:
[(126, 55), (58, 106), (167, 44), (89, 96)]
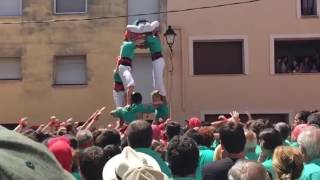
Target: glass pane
[(142, 7), (70, 6), (10, 68), (218, 57), (10, 7), (70, 70)]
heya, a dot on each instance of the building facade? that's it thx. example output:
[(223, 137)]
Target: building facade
[(57, 57), (260, 57)]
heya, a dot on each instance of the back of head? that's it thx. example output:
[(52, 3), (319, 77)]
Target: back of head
[(182, 156), (207, 134), (270, 139), (22, 158), (139, 134), (173, 129), (92, 161), (314, 119), (109, 136), (283, 128), (302, 116), (259, 125), (247, 170), (309, 142), (195, 135), (136, 98), (287, 162), (84, 138), (111, 150), (232, 137)]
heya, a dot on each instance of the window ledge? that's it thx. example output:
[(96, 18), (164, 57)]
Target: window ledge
[(70, 86), (309, 16), (297, 74), (219, 75)]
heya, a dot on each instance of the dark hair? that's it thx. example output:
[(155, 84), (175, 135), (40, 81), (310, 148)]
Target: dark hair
[(207, 134), (182, 156), (193, 134), (314, 119), (303, 116), (92, 161), (283, 128), (173, 129), (111, 150), (270, 139), (139, 134), (258, 125), (109, 136), (136, 98), (232, 137)]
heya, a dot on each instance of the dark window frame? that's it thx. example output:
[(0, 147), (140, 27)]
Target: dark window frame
[(311, 11), (297, 56), (222, 41)]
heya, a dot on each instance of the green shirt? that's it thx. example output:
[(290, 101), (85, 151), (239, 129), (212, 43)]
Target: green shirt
[(129, 113), (116, 77), (311, 170), (163, 166), (77, 175), (154, 43), (268, 166), (162, 112), (127, 49), (252, 156), (258, 150), (205, 157)]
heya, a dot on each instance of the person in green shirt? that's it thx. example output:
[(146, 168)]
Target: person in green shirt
[(160, 105), (309, 144), (287, 162), (139, 137), (118, 89), (269, 139), (131, 112)]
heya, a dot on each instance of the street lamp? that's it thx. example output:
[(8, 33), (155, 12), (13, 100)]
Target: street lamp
[(170, 35)]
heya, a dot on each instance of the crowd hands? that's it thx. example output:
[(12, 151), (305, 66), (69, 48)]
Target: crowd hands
[(227, 148), (298, 65)]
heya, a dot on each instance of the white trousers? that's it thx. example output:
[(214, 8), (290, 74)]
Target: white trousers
[(126, 76), (157, 72), (118, 98)]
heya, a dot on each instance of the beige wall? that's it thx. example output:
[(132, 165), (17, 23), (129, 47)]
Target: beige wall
[(259, 91), (37, 44)]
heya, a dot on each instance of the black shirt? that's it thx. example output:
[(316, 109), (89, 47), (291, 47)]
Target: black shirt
[(218, 170)]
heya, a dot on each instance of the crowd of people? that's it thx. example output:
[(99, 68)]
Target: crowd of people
[(226, 149), (298, 65)]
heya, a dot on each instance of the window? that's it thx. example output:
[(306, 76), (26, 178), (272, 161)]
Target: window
[(141, 7), (70, 70), (10, 69), (308, 7), (70, 6), (10, 7), (218, 57), (273, 117), (297, 55)]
